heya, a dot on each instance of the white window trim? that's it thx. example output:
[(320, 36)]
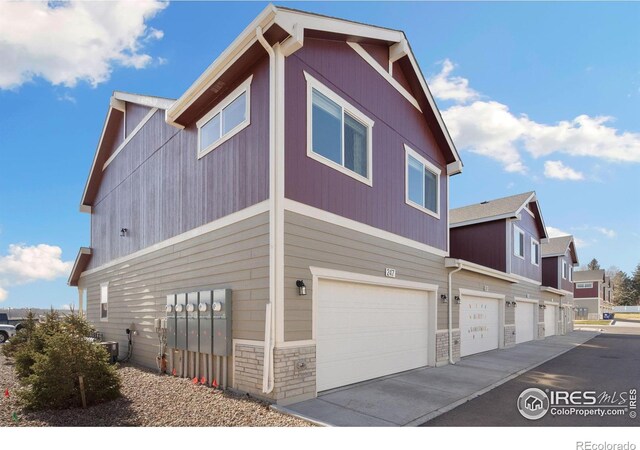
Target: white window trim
[(535, 263), (521, 231), (564, 274), (584, 285), (105, 300), (237, 92), (408, 151), (312, 83)]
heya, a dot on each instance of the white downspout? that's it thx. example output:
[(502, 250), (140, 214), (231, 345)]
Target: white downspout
[(449, 296), (270, 313)]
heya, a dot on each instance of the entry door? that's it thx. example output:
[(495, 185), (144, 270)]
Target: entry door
[(367, 331), (524, 321), (550, 320), (479, 324)]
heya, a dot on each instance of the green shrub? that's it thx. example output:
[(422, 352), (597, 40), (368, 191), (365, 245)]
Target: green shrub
[(51, 356)]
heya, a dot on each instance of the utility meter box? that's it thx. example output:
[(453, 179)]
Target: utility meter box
[(193, 341), (221, 322), (181, 321), (206, 322), (171, 321)]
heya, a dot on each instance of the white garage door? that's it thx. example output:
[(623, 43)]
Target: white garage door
[(524, 321), (366, 331), (479, 324), (550, 319)]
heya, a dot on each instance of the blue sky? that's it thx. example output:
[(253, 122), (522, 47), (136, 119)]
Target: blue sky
[(538, 96)]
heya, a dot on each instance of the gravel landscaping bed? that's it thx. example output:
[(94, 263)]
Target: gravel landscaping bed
[(148, 399)]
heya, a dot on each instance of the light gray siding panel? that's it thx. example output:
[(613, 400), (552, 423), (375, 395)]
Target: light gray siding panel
[(236, 257), (311, 242)]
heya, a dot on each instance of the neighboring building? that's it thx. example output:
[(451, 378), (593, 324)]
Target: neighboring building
[(496, 244), (593, 294), (559, 257)]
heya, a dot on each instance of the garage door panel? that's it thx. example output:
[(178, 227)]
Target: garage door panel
[(525, 318), (479, 324), (365, 331), (550, 319)]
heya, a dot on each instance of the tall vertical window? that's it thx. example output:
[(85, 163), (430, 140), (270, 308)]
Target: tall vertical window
[(338, 134), (226, 119), (565, 270), (422, 183), (518, 242), (535, 252), (104, 301)]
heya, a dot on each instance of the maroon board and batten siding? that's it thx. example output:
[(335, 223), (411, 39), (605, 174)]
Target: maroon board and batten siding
[(524, 267), (133, 116), (550, 272), (157, 187), (592, 292), (397, 122), (482, 243)]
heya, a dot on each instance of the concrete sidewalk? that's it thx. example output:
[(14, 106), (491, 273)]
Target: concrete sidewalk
[(417, 396)]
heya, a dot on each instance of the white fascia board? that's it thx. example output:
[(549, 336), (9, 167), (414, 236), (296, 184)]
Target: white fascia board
[(220, 65), (144, 100), (482, 220), (454, 168), (116, 103), (287, 19), (553, 290), (477, 268), (398, 50), (83, 206)]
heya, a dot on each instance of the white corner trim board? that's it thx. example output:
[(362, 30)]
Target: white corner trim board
[(325, 216), (131, 135), (386, 75), (222, 222)]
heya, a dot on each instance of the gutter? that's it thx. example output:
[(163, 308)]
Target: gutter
[(270, 313), (457, 269)]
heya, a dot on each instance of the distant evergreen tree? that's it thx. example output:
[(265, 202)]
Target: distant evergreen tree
[(593, 265)]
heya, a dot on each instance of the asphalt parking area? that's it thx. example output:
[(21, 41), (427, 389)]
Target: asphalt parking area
[(610, 362)]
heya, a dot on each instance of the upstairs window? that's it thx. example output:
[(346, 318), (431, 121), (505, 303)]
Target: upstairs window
[(584, 285), (565, 270), (518, 242), (423, 183), (338, 135), (104, 301), (225, 120), (535, 252)]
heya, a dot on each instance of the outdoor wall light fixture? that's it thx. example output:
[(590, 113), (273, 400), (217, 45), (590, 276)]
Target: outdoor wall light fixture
[(457, 299), (508, 303), (443, 298), (123, 232), (302, 289)]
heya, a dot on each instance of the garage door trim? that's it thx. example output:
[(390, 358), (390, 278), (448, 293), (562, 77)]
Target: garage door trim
[(501, 304)]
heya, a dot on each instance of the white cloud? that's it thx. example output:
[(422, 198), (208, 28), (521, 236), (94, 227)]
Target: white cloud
[(607, 232), (73, 41), (26, 264), (489, 128), (557, 170), (446, 87)]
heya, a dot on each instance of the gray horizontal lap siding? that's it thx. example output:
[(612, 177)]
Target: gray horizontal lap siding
[(157, 188), (236, 257), (311, 242), (397, 122)]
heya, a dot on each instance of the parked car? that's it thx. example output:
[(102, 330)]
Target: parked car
[(17, 322), (6, 332)]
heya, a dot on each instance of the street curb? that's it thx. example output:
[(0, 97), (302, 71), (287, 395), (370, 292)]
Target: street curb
[(432, 415)]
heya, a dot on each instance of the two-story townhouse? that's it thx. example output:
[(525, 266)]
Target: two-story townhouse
[(497, 281), (559, 257), (305, 174), (592, 294)]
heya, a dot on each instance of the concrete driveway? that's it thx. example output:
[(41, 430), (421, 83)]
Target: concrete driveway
[(414, 397)]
